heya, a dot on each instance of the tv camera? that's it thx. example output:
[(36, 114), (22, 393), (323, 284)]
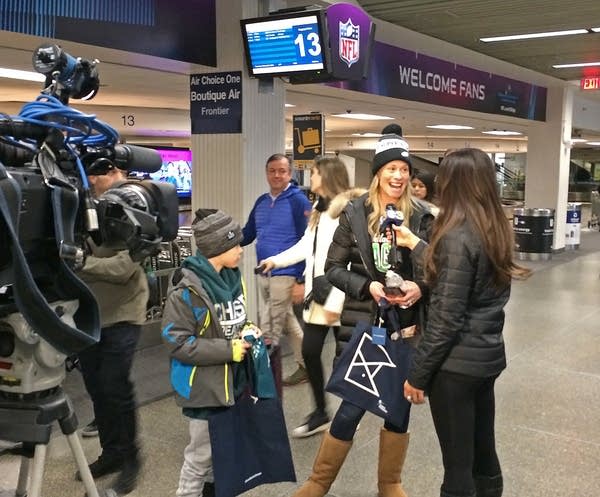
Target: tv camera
[(49, 218)]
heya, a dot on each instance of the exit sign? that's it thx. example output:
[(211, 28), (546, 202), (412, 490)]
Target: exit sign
[(590, 83)]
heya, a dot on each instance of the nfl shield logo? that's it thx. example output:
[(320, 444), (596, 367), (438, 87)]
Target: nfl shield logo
[(349, 42)]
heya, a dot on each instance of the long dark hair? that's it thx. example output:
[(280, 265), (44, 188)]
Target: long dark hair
[(428, 179), (467, 192)]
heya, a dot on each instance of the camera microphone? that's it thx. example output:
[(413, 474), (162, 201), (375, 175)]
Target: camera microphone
[(135, 158), (125, 157)]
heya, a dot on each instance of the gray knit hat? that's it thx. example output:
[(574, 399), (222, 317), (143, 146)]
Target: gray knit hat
[(215, 232), (388, 148)]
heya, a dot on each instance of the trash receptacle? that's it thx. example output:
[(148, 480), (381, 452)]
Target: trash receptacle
[(534, 233), (573, 231)]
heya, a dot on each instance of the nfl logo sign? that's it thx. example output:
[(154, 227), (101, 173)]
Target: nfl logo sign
[(349, 42)]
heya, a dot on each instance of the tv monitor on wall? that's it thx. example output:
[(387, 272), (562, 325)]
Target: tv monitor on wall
[(292, 43), (176, 169)]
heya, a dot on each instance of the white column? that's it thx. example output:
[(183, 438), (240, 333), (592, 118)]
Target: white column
[(548, 158), (229, 169)]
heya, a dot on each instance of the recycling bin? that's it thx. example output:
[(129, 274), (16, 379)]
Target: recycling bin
[(573, 231)]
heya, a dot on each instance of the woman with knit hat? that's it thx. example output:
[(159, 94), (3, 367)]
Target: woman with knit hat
[(358, 260)]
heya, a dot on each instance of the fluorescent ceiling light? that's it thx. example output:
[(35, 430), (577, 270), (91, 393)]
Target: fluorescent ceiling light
[(367, 135), (578, 140), (449, 126), (579, 64), (290, 105), (24, 75), (593, 143), (499, 132), (596, 30), (363, 117), (528, 36)]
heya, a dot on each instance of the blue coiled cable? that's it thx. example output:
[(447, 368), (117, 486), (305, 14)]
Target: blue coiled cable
[(79, 128)]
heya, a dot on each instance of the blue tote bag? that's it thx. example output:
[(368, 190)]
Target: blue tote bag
[(249, 442), (372, 376)]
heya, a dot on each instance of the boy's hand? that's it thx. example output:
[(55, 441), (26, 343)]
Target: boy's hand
[(239, 348)]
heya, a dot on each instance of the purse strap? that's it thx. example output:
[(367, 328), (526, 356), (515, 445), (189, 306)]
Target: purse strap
[(315, 250)]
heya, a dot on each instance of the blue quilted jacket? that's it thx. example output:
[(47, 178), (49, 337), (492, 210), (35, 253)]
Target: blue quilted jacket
[(277, 225)]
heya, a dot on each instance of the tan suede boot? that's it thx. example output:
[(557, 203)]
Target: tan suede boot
[(392, 453), (328, 462)]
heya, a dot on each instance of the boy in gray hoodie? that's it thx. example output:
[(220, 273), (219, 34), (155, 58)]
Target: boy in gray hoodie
[(203, 318)]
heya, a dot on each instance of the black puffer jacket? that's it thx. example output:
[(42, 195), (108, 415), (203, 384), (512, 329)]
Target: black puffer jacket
[(350, 266), (463, 333)]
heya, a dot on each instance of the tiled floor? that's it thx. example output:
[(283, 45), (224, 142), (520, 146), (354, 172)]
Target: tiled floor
[(548, 406)]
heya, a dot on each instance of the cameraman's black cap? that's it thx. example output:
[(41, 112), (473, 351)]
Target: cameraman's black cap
[(99, 167)]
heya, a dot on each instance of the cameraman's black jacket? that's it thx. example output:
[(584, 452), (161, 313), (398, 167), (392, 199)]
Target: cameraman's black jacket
[(466, 314), (352, 245)]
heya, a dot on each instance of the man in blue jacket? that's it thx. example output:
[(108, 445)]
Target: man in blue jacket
[(277, 221)]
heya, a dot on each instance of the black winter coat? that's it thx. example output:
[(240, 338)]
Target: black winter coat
[(463, 333), (351, 245)]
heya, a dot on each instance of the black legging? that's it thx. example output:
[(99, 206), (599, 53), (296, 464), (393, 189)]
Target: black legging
[(312, 347), (348, 417), (463, 411)]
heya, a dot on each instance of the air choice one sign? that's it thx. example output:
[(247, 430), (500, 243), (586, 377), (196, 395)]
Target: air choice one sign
[(216, 102)]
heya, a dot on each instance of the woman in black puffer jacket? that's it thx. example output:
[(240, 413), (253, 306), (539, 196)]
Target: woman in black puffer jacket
[(469, 266), (357, 263)]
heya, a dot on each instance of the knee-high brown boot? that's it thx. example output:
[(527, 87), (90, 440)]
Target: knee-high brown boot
[(392, 453), (328, 462)]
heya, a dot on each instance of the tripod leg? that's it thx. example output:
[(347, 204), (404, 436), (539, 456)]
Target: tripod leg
[(21, 490), (37, 473), (82, 465)]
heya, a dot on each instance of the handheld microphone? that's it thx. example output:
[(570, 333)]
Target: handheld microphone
[(393, 217)]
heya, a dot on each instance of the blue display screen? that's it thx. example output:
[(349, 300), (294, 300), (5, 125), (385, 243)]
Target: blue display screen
[(285, 45)]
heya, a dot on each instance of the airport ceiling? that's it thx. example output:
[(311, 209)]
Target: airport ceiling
[(159, 88), (464, 22)]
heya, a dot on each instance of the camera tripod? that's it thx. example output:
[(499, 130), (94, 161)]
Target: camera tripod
[(28, 418)]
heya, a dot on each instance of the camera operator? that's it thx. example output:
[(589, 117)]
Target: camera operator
[(121, 289)]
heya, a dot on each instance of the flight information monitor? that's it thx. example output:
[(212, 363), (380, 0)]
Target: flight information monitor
[(285, 44)]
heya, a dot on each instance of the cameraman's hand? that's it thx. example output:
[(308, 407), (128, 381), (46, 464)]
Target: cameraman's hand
[(239, 348), (405, 237)]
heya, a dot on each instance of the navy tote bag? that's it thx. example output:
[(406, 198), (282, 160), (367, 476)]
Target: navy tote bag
[(372, 376), (249, 444)]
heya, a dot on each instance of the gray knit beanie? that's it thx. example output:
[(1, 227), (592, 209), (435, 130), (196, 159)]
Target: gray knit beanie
[(215, 232), (388, 148)]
